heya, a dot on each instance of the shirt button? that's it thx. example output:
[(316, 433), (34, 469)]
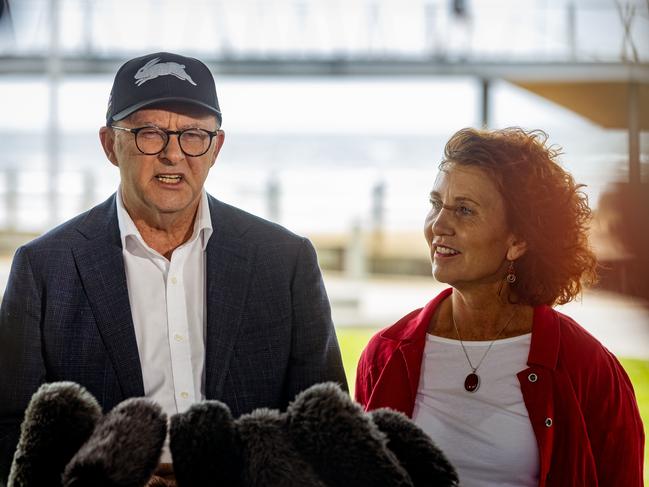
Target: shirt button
[(178, 337), (532, 377), (184, 395), (174, 280), (548, 422)]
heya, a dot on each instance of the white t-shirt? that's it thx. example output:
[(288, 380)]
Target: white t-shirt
[(486, 434)]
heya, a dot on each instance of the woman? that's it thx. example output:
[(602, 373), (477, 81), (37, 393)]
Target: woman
[(515, 393)]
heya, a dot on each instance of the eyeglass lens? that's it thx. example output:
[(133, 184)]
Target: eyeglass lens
[(192, 142)]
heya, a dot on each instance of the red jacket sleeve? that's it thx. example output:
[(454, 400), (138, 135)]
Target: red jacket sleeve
[(613, 423), (363, 386)]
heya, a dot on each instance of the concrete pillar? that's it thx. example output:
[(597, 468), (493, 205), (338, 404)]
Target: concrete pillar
[(273, 196), (88, 194), (11, 198), (571, 30), (485, 106), (354, 263)]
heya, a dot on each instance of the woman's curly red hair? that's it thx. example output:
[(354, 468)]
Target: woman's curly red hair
[(544, 205)]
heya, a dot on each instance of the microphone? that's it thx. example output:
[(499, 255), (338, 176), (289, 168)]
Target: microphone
[(270, 457), (205, 446), (323, 416), (417, 453), (124, 449), (59, 419)]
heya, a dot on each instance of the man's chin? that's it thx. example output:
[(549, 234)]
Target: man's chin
[(175, 203)]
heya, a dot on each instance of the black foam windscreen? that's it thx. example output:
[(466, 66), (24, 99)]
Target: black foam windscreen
[(59, 419), (124, 450)]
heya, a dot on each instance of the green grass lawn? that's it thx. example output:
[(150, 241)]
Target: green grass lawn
[(638, 371), (353, 340)]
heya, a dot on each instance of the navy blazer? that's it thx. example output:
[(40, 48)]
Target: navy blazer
[(66, 315)]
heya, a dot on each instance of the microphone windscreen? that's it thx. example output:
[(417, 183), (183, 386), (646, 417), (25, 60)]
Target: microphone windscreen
[(124, 450), (269, 457), (334, 435), (59, 419), (205, 446), (416, 451)]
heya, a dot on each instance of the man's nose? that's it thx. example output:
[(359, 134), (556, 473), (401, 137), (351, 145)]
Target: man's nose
[(172, 152)]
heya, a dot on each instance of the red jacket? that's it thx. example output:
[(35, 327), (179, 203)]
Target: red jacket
[(579, 398)]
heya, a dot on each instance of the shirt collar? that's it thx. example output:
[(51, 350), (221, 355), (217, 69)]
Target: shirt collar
[(202, 223)]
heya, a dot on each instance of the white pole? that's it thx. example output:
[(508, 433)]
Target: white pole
[(53, 136)]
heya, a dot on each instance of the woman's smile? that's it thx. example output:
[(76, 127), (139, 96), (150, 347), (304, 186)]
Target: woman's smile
[(444, 252)]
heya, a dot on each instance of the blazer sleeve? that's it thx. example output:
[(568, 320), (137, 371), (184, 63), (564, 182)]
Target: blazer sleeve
[(22, 368), (315, 356)]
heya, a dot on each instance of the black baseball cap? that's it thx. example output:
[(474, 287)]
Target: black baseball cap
[(160, 78)]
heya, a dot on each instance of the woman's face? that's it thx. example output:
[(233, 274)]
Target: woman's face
[(466, 228)]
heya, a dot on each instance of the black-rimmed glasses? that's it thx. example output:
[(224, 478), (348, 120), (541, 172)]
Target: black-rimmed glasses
[(153, 140)]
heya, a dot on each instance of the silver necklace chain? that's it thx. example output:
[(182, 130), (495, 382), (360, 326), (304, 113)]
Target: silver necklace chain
[(474, 369)]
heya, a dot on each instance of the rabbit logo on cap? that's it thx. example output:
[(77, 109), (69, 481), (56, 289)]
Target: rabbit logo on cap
[(153, 69)]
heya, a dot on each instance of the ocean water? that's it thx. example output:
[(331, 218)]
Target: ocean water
[(310, 153)]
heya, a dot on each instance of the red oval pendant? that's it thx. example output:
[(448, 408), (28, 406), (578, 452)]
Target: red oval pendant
[(472, 382)]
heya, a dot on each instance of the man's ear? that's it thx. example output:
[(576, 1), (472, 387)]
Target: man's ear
[(107, 138), (219, 139), (517, 248)]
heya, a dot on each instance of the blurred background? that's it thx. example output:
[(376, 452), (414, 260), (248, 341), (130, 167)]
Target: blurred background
[(336, 113)]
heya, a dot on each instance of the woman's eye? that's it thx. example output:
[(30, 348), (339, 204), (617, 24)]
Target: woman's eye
[(464, 210), (436, 204)]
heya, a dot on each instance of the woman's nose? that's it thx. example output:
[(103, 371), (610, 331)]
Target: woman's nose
[(441, 222)]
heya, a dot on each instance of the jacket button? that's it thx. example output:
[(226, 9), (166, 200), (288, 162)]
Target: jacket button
[(532, 377), (548, 422)]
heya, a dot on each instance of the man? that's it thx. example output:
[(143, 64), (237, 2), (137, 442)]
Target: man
[(163, 291)]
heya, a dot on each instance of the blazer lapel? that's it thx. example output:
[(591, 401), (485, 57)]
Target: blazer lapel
[(228, 270), (101, 268)]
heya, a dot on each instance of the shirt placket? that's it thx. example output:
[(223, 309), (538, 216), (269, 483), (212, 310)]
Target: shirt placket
[(178, 330)]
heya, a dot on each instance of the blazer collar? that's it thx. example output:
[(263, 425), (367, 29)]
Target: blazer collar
[(101, 223)]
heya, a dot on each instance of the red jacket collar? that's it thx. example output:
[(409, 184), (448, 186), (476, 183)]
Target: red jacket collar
[(544, 349), (408, 337), (546, 336)]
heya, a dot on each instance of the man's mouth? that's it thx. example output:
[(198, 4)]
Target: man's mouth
[(169, 178)]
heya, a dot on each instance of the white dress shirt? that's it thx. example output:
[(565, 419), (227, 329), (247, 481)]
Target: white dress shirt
[(167, 299)]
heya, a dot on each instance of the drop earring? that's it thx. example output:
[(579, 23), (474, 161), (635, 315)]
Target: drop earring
[(511, 273)]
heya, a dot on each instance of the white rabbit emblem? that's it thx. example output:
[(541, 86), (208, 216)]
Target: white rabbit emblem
[(153, 69)]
